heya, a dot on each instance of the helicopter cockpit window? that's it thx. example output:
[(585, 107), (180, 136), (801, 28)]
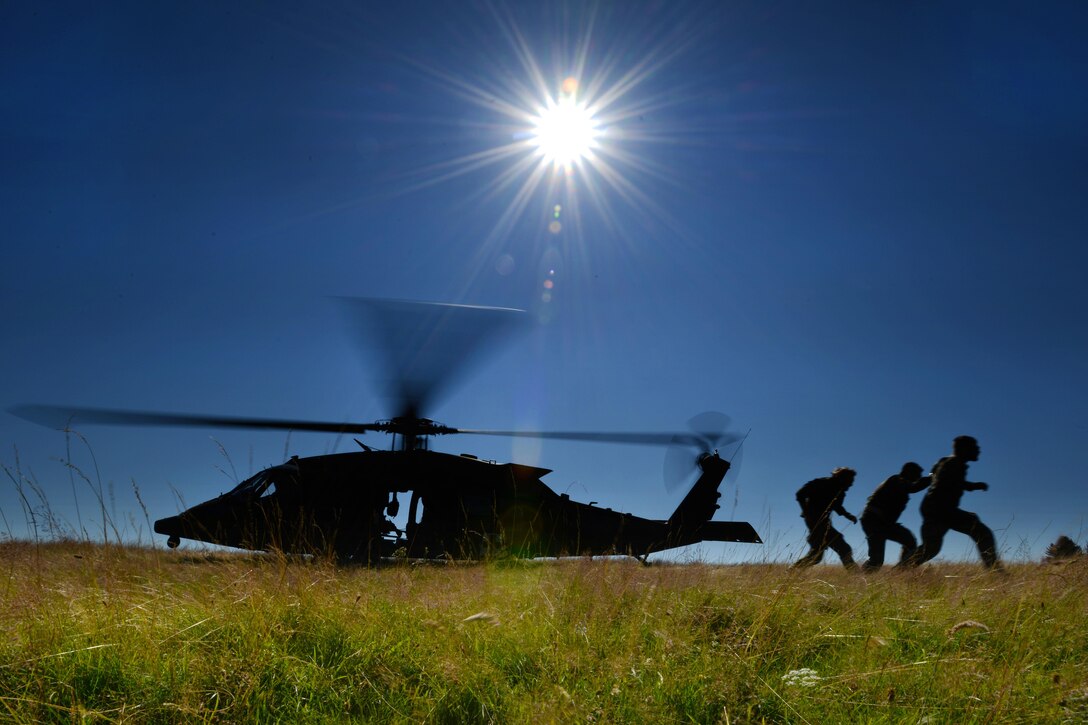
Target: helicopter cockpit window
[(254, 486), (263, 484)]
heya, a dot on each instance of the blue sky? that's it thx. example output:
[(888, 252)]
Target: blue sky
[(858, 230)]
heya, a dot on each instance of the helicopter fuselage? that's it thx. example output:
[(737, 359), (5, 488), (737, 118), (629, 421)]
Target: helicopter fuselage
[(459, 507)]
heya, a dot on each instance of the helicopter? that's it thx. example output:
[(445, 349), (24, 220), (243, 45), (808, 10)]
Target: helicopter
[(458, 506)]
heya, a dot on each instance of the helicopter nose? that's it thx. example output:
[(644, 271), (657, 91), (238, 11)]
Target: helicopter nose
[(171, 526)]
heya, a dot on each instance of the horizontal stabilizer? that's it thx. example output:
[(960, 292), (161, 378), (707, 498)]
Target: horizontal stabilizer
[(738, 531)]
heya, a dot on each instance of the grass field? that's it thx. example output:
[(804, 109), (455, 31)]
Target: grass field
[(118, 634)]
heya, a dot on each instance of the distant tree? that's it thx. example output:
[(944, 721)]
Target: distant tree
[(1063, 548)]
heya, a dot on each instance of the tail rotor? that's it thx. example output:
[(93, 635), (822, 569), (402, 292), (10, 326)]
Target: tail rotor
[(709, 434)]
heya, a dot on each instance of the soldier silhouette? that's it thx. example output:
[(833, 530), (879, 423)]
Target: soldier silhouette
[(940, 506), (819, 498), (880, 518)]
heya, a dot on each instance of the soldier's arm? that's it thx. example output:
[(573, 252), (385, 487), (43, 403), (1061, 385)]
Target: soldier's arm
[(976, 486), (841, 511), (921, 485)]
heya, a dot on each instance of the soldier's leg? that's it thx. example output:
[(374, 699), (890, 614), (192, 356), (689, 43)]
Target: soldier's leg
[(838, 544), (874, 534), (901, 535), (968, 523), (933, 530), (812, 558), (817, 542)]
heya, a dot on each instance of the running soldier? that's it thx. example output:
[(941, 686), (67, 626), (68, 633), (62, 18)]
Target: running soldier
[(819, 498), (940, 506), (880, 519)]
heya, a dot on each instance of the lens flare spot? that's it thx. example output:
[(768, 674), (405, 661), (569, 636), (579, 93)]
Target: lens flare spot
[(548, 284), (555, 227), (504, 265), (546, 297), (570, 86)]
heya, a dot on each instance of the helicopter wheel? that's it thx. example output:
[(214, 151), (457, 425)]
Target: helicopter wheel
[(173, 542)]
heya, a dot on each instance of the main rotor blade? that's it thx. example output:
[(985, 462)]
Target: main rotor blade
[(633, 438), (426, 347), (64, 418)]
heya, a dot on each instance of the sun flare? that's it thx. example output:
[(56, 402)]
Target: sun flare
[(577, 147), (565, 131)]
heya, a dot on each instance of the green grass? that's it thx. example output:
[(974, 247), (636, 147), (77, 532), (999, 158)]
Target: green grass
[(112, 634)]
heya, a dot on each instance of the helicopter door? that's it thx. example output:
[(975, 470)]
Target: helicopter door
[(411, 528), (415, 515)]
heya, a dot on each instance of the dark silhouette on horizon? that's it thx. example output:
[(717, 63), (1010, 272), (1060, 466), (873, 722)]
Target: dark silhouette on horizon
[(1063, 548), (940, 506), (880, 518), (819, 498)]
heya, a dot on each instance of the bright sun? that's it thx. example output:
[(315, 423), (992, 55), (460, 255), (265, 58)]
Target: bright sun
[(565, 131)]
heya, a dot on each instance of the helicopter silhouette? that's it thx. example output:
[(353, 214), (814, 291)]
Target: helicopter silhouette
[(459, 506)]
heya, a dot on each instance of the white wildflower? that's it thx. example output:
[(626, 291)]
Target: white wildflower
[(804, 677)]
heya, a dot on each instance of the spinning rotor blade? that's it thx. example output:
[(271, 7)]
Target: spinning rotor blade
[(634, 438), (427, 346), (709, 433), (678, 468), (710, 428), (63, 418)]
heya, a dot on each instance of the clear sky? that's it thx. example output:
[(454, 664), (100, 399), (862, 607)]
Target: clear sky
[(858, 229)]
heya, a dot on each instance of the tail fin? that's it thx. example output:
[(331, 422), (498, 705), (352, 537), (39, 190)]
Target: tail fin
[(702, 501), (690, 522)]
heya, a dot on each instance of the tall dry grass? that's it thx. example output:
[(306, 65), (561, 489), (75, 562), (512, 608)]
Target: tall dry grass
[(104, 633)]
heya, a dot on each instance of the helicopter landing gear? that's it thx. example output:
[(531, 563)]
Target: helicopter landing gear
[(173, 542)]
